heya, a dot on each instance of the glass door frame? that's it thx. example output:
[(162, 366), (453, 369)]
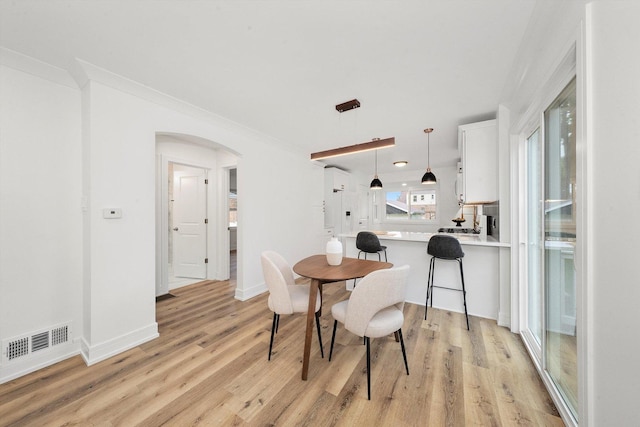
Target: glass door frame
[(533, 345), (521, 131)]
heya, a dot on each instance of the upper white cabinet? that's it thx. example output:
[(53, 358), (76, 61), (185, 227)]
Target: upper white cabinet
[(478, 145), (336, 179)]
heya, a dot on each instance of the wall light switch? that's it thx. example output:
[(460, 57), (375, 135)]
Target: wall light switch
[(112, 213)]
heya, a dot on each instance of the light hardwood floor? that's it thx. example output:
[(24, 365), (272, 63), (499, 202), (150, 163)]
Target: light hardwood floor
[(209, 367)]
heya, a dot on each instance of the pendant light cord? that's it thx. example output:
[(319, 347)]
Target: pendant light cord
[(376, 163), (428, 151)]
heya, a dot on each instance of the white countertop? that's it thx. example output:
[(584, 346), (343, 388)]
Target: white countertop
[(413, 236)]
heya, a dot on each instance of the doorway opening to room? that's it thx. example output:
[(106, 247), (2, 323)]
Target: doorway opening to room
[(193, 184)]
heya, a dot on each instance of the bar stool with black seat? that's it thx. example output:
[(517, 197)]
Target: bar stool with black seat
[(368, 243), (444, 247)]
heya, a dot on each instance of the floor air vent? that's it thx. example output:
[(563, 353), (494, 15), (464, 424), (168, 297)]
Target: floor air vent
[(17, 348), (40, 341), (59, 335), (20, 347)]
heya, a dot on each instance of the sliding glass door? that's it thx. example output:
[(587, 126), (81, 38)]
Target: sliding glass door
[(550, 234), (559, 244), (534, 240)]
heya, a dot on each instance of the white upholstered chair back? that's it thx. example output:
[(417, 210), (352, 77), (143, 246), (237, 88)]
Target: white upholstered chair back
[(278, 276), (375, 292)]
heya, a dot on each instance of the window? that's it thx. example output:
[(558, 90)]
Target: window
[(410, 205)]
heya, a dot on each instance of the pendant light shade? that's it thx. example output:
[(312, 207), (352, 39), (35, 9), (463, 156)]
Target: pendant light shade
[(376, 184), (428, 177)]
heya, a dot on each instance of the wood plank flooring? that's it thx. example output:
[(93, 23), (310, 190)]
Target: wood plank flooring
[(209, 367)]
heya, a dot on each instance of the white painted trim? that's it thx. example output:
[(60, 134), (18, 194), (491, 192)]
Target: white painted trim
[(26, 64), (246, 294), (516, 163), (83, 72), (162, 206), (53, 355), (584, 258), (222, 244), (162, 215), (93, 354)]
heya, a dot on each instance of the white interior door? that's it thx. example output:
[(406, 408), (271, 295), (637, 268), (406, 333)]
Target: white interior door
[(189, 226)]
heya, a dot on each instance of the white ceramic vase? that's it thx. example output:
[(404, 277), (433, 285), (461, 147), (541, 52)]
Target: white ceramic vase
[(334, 251)]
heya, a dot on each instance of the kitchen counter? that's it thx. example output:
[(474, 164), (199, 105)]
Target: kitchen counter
[(413, 236), (481, 269)]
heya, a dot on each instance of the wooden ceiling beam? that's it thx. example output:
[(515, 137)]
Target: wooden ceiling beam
[(357, 148)]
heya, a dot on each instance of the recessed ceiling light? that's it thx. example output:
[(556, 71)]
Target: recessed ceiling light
[(400, 163), (404, 184)]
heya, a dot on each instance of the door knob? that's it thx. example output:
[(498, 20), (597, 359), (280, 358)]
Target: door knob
[(175, 228)]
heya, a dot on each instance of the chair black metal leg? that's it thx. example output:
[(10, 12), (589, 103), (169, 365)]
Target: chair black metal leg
[(429, 287), (433, 273), (273, 329), (333, 338), (404, 353), (319, 334), (365, 257), (368, 368), (277, 322), (464, 294), (426, 302)]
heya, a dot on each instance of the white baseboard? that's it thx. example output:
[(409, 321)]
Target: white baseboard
[(98, 352), (504, 319), (15, 369), (245, 294)]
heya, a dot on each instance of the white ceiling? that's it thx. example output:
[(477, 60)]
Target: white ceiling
[(280, 67)]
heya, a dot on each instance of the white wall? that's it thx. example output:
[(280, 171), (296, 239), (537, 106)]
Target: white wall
[(40, 208), (279, 208), (61, 145), (275, 194), (613, 71), (120, 284)]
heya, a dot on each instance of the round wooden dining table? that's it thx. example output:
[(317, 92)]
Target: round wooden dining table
[(320, 272)]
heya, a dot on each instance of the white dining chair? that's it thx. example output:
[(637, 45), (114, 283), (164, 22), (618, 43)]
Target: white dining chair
[(374, 310), (285, 296)]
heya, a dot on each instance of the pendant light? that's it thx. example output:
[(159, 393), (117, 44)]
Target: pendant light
[(376, 184), (428, 177)]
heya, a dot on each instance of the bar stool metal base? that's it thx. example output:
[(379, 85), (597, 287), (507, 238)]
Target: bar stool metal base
[(430, 286)]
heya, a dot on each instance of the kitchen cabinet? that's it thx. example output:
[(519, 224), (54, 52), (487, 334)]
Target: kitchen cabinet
[(478, 146), (336, 179)]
